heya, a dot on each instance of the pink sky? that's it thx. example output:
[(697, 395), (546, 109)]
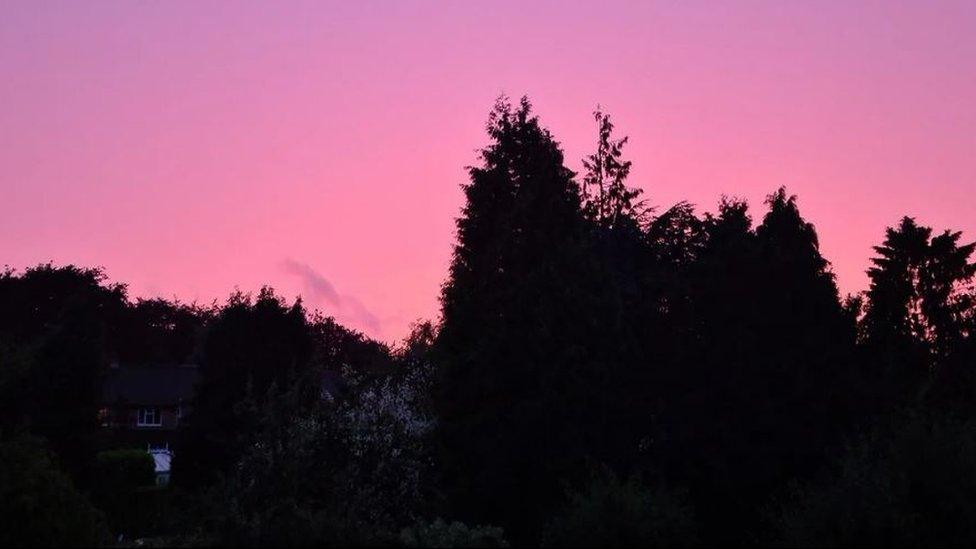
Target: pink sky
[(191, 147)]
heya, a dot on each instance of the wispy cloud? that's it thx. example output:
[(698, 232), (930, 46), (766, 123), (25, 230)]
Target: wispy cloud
[(320, 291)]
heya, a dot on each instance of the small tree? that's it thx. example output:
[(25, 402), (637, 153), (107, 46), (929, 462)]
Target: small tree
[(607, 199)]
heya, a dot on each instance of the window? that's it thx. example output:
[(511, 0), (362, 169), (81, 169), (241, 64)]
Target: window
[(149, 417)]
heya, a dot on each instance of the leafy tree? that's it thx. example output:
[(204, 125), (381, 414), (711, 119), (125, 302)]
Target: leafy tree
[(249, 347), (339, 350), (157, 331), (676, 237), (675, 242), (58, 326), (332, 475), (418, 345)]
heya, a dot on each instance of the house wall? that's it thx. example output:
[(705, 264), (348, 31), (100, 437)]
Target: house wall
[(122, 422), (128, 417)]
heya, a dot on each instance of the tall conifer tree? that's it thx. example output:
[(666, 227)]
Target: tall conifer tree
[(513, 335)]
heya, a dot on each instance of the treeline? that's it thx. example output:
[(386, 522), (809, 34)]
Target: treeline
[(707, 355), (603, 373), (61, 329)]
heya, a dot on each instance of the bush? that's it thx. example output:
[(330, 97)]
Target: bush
[(39, 505), (612, 513), (351, 473), (125, 490), (908, 481), (125, 470), (456, 534)]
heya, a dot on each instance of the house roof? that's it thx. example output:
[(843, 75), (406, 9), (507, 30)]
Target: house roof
[(160, 385)]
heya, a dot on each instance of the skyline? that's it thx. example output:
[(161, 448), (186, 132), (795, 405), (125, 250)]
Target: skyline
[(320, 149)]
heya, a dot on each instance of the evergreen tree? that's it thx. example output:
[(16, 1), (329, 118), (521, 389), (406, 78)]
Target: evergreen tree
[(513, 335), (759, 389), (607, 200), (916, 309)]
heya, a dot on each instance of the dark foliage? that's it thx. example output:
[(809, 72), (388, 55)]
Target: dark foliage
[(38, 502), (908, 481), (57, 325), (156, 331), (609, 512), (516, 318), (710, 355), (119, 488), (252, 347), (577, 327)]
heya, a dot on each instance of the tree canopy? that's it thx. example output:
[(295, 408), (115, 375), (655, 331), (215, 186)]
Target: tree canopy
[(603, 372)]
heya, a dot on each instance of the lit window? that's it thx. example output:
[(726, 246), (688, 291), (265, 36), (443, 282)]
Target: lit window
[(149, 417)]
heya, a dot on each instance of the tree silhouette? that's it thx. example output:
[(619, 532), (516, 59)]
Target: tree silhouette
[(606, 198), (252, 348), (59, 326), (708, 360), (513, 330), (759, 349), (916, 311)]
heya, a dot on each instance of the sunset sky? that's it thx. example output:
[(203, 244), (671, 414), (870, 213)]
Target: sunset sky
[(193, 147)]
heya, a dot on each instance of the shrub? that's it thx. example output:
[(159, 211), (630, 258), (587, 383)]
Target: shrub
[(908, 481), (456, 534), (337, 474), (125, 490), (609, 512), (124, 470)]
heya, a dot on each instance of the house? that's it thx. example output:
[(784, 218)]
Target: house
[(143, 405)]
